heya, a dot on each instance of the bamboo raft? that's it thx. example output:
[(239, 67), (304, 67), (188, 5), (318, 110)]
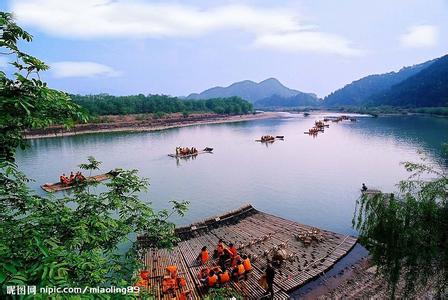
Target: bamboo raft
[(310, 251), (278, 137), (58, 186), (189, 155)]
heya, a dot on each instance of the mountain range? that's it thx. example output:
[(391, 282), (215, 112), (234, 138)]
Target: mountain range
[(252, 91), (422, 85)]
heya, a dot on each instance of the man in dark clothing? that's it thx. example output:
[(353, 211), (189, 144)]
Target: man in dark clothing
[(270, 274), (364, 187)]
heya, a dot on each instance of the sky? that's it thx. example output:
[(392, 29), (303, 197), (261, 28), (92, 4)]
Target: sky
[(125, 47)]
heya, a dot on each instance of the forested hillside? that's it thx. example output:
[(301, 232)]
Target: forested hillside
[(359, 92), (428, 88)]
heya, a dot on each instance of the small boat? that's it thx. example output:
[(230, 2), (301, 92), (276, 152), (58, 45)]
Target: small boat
[(280, 137), (205, 150), (58, 186)]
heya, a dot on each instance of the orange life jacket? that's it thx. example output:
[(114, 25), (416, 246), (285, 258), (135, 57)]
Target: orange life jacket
[(212, 280), (144, 274), (233, 251), (204, 256), (182, 282), (142, 283), (172, 270), (247, 265), (241, 269), (225, 277)]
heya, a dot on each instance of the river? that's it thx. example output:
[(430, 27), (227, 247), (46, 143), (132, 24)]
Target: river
[(314, 181)]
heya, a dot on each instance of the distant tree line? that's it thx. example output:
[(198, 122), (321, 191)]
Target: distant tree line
[(104, 104)]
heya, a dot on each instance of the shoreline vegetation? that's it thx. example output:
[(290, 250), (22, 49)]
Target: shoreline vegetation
[(144, 122)]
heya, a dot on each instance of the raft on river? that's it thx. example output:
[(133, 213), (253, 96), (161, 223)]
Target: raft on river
[(309, 252), (205, 150), (269, 138), (58, 186)]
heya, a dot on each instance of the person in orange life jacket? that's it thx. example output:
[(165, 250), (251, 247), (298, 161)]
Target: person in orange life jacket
[(203, 256), (233, 250), (172, 270), (246, 263), (220, 248), (247, 266), (224, 276), (212, 279), (238, 270), (65, 180)]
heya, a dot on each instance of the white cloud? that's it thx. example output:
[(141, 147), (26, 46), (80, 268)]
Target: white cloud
[(420, 36), (65, 69), (308, 41), (137, 19)]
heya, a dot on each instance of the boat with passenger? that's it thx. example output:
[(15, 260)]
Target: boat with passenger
[(66, 183), (270, 138), (184, 152)]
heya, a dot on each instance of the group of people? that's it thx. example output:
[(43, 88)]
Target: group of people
[(171, 282), (314, 130), (267, 138), (239, 266), (318, 126), (72, 179), (186, 151), (230, 266)]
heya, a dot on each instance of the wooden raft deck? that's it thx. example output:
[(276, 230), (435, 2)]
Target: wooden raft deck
[(255, 234)]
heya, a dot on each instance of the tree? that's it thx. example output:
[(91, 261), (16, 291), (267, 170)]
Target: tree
[(69, 241), (407, 235), (25, 101)]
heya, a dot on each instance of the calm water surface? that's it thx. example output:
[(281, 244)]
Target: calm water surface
[(310, 180)]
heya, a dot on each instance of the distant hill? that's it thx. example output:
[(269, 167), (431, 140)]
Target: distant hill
[(248, 90), (360, 91), (427, 88), (301, 99)]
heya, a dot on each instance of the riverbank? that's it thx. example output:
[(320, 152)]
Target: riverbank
[(149, 122)]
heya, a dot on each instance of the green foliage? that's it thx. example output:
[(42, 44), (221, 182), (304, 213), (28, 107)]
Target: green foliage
[(75, 240), (222, 293), (159, 105), (407, 235), (25, 101), (428, 88)]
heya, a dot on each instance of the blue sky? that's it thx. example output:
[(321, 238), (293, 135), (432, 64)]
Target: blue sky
[(179, 47)]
